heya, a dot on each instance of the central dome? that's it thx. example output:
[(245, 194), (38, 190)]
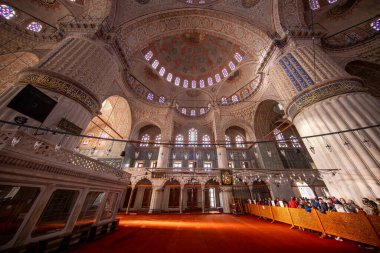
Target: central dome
[(193, 59)]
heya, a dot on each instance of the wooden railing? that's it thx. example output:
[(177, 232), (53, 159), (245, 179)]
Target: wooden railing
[(352, 226)]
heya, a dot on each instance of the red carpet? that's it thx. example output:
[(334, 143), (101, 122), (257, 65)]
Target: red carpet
[(211, 233)]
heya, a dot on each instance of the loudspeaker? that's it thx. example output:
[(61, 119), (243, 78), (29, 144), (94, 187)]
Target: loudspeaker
[(33, 103)]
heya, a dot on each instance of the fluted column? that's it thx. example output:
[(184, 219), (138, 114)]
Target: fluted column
[(324, 99), (77, 75), (355, 154)]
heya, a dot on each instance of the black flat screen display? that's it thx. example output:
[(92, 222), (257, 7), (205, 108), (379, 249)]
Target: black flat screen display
[(33, 103)]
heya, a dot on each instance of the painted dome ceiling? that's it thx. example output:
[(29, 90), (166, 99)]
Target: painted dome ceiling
[(193, 60)]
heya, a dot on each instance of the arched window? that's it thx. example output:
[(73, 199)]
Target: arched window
[(295, 142), (227, 140), (235, 99), (314, 4), (225, 72), (210, 81), (7, 11), (238, 57), (157, 140), (148, 55), (150, 96), (202, 83), (193, 137), (162, 71), (202, 111), (179, 140), (34, 27), (145, 138), (169, 77), (183, 111), (161, 100), (193, 84), (245, 93), (239, 140), (192, 112), (376, 24), (101, 142), (280, 138), (224, 100), (185, 83), (177, 81), (231, 65), (206, 141), (217, 78), (155, 64)]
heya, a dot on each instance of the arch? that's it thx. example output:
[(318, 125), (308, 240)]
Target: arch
[(264, 116), (13, 63), (237, 135), (249, 134), (369, 72), (138, 34), (260, 190), (114, 121), (140, 125)]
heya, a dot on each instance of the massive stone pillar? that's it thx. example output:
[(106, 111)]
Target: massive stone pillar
[(227, 198), (155, 202), (222, 157), (163, 156), (325, 99), (76, 75)]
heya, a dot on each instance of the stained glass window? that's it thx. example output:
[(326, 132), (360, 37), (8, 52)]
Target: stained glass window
[(155, 64), (202, 111), (202, 83), (148, 55), (280, 138), (7, 11), (210, 81), (34, 27), (183, 111), (227, 140), (376, 24), (332, 1), (217, 78), (224, 100), (238, 57), (161, 100), (192, 112), (235, 99), (193, 136), (144, 140), (185, 83), (193, 84), (169, 77), (150, 96), (177, 81), (314, 4), (179, 140), (206, 141), (231, 65), (157, 140), (225, 72), (239, 140), (295, 142), (162, 71)]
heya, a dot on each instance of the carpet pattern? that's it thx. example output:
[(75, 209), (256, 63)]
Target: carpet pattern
[(188, 233)]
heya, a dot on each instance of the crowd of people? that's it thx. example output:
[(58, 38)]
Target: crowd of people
[(323, 205)]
